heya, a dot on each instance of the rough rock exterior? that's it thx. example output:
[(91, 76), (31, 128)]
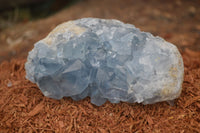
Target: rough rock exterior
[(105, 60)]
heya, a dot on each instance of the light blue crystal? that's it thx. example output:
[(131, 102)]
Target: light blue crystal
[(105, 60)]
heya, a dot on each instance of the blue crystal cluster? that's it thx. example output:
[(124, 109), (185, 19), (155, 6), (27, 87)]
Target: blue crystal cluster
[(105, 60)]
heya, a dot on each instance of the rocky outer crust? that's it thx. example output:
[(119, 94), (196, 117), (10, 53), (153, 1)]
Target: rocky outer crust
[(106, 60)]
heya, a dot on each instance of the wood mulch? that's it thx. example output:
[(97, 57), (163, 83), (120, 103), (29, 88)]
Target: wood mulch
[(23, 108)]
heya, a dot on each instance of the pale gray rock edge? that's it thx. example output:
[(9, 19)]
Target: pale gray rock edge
[(105, 60)]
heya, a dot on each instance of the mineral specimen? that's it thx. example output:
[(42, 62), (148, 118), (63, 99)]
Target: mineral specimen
[(105, 60)]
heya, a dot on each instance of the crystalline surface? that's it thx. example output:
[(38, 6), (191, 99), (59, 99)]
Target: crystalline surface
[(105, 60)]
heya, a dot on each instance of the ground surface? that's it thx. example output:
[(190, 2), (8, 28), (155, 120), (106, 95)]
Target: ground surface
[(23, 108)]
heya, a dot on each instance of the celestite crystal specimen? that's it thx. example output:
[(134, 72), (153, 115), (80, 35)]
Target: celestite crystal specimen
[(105, 60)]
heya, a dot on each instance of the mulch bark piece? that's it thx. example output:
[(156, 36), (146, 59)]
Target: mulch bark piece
[(23, 108)]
